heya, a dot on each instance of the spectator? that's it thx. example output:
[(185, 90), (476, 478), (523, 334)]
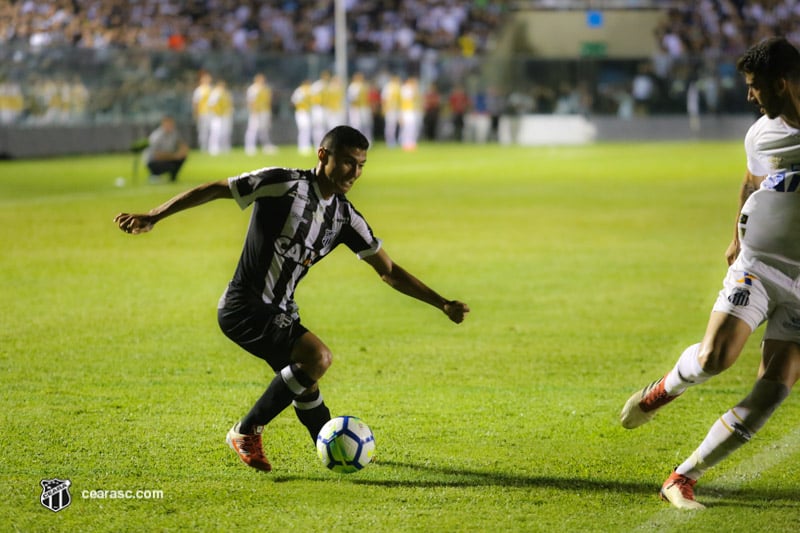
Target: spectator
[(459, 105), (166, 151), (643, 90), (432, 107)]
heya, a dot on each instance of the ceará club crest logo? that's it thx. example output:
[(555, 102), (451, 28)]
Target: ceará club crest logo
[(55, 494)]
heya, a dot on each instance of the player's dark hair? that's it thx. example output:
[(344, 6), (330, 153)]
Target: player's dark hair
[(771, 59), (344, 137)]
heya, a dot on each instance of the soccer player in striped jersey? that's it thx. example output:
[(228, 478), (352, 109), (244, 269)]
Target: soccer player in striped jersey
[(763, 280), (298, 217)]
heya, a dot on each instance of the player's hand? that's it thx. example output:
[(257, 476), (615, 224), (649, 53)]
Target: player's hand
[(456, 311), (134, 224)]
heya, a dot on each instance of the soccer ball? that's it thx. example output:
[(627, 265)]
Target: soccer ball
[(345, 444)]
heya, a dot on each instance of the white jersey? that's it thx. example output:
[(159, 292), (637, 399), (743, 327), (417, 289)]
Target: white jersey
[(770, 218)]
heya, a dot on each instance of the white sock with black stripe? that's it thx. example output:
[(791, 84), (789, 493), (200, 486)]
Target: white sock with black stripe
[(736, 427)]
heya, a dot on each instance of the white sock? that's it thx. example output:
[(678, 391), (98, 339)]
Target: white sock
[(726, 436), (687, 372), (735, 427)]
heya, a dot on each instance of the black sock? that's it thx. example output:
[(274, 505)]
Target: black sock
[(312, 412), (284, 387)]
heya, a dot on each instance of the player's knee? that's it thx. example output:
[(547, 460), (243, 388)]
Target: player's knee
[(324, 359), (319, 363)]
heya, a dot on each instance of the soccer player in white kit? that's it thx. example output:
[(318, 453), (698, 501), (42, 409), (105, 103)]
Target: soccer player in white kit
[(763, 280)]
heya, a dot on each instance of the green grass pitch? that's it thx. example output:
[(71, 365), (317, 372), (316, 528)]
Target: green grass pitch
[(588, 270)]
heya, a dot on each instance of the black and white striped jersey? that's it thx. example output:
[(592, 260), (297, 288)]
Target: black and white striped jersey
[(291, 228)]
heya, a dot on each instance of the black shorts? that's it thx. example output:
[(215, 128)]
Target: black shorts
[(263, 330)]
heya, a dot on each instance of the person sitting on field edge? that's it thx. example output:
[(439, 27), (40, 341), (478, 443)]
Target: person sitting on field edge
[(167, 151), (298, 217)]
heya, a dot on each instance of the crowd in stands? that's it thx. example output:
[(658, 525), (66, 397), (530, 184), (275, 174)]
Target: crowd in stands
[(712, 28), (697, 42), (290, 26)]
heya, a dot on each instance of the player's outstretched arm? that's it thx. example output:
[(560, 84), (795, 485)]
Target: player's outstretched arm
[(143, 222), (401, 280)]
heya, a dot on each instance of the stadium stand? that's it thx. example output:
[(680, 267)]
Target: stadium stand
[(110, 62)]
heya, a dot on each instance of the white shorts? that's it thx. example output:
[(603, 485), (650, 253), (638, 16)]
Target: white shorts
[(756, 292)]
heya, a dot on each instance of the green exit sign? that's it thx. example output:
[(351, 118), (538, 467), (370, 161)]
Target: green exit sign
[(593, 49)]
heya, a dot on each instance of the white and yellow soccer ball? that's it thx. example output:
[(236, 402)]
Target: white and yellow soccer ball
[(345, 444)]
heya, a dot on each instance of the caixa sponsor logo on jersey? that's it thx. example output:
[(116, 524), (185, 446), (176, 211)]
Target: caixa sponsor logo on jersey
[(295, 251)]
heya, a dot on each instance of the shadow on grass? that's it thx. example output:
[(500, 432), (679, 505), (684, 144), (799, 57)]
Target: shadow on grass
[(773, 497), (452, 477), (430, 476), (441, 476)]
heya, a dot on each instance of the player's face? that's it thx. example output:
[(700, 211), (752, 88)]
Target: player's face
[(763, 94), (344, 167)]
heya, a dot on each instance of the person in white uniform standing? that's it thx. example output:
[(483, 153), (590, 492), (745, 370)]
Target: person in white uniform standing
[(259, 116), (410, 113), (763, 280), (319, 113), (359, 110), (390, 106), (301, 100), (220, 103), (201, 111)]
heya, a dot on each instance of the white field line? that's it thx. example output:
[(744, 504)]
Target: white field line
[(772, 455)]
